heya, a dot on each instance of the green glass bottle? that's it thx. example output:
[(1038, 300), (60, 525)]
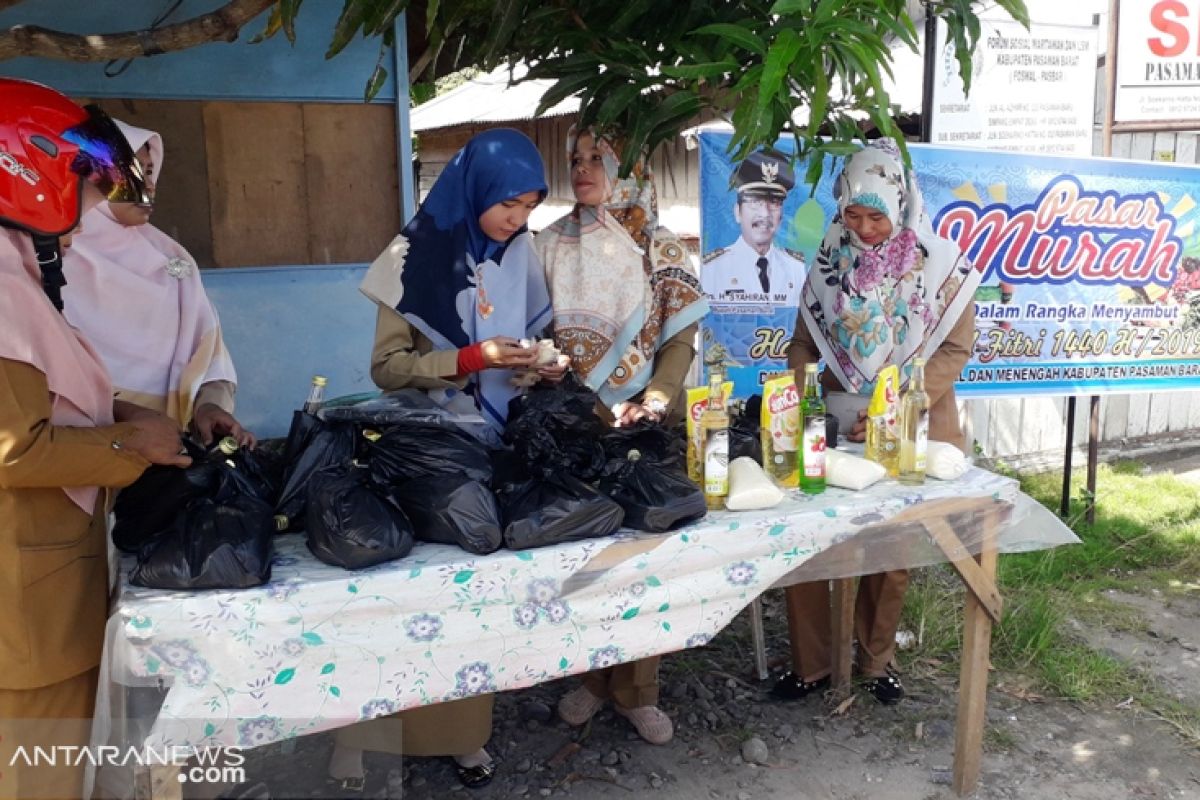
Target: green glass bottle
[(812, 422)]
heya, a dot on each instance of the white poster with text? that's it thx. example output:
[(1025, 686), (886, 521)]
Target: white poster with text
[(1032, 91)]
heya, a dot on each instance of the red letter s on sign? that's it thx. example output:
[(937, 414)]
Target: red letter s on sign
[(1168, 27)]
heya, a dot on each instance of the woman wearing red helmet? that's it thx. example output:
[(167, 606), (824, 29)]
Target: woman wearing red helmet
[(60, 445)]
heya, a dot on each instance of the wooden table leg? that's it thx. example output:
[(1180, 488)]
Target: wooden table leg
[(842, 630), (973, 677), (760, 639)]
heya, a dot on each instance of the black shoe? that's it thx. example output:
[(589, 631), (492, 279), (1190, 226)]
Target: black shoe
[(475, 777), (791, 687), (886, 689)]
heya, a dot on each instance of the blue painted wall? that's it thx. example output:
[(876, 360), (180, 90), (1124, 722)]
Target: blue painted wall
[(285, 324), (272, 70)]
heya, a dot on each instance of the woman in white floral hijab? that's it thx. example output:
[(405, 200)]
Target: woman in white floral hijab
[(884, 290)]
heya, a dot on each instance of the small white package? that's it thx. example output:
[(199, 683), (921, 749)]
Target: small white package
[(945, 461), (851, 472), (749, 487)]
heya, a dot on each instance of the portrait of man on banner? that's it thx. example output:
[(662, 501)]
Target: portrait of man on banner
[(754, 269)]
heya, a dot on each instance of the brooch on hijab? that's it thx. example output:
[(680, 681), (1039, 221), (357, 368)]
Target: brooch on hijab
[(482, 305), (179, 268)]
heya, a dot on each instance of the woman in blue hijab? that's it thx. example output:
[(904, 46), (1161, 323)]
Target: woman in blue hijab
[(461, 284), (457, 290)]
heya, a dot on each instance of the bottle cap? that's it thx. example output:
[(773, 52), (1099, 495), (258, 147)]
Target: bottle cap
[(319, 380), (228, 445), (372, 436), (810, 368), (918, 362), (634, 455), (281, 522)]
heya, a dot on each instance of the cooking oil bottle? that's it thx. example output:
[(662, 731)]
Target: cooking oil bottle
[(714, 433), (914, 426)]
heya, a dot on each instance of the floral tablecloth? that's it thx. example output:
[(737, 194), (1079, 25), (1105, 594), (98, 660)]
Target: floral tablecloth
[(319, 647)]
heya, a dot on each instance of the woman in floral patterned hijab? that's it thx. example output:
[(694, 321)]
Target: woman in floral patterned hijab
[(626, 299), (884, 289), (894, 295), (626, 305)]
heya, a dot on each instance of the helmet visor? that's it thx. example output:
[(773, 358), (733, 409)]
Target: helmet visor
[(106, 158)]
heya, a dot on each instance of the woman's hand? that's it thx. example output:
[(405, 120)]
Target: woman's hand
[(629, 413), (156, 438), (859, 432), (210, 420), (554, 373), (504, 352)]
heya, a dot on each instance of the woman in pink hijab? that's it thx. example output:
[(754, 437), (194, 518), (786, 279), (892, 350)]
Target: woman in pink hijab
[(136, 294), (63, 440)]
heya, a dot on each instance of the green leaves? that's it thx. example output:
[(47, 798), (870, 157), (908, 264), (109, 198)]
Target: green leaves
[(735, 34), (649, 68)]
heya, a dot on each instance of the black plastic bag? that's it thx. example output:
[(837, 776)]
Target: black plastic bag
[(556, 431), (149, 505), (418, 450), (263, 471), (452, 509), (745, 431), (405, 406), (544, 511), (222, 543), (666, 446), (350, 524), (656, 497), (312, 445)]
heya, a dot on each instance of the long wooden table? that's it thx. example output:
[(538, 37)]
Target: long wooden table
[(319, 648)]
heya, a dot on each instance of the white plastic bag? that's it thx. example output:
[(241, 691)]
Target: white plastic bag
[(749, 487), (851, 472), (945, 461)]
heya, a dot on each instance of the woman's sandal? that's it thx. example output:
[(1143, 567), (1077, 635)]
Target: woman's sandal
[(578, 706), (792, 687), (475, 777)]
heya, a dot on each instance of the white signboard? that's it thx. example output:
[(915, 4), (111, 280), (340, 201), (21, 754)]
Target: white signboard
[(1158, 61), (1032, 91)]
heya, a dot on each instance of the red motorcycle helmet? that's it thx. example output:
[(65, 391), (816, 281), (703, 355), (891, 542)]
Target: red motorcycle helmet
[(48, 147)]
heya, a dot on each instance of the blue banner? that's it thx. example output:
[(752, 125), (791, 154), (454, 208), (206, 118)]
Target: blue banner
[(1091, 267)]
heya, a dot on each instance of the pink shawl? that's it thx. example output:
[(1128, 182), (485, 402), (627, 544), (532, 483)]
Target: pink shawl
[(34, 333), (136, 294)]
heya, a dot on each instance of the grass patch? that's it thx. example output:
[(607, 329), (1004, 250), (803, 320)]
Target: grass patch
[(1146, 533)]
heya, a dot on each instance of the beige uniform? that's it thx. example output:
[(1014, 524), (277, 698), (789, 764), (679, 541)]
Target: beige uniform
[(880, 596), (53, 570)]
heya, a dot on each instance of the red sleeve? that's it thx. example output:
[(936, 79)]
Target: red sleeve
[(470, 359)]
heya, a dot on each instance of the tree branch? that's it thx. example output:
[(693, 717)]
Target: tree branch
[(220, 25)]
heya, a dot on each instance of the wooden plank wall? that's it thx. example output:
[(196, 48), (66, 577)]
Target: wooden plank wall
[(267, 184), (676, 169)]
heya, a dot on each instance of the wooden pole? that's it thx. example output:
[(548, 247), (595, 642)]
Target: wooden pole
[(973, 675), (927, 80), (1093, 457), (404, 159), (1110, 78), (1064, 509)]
